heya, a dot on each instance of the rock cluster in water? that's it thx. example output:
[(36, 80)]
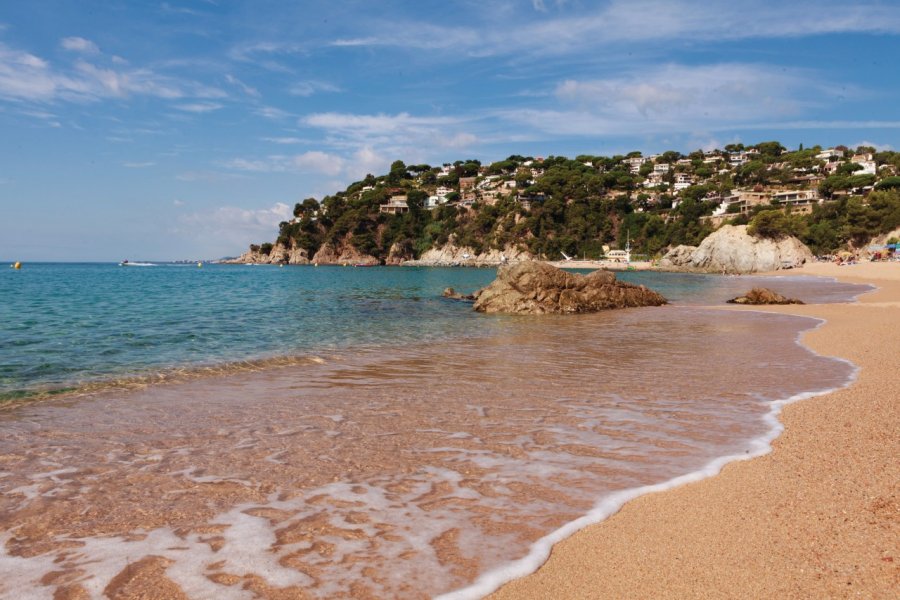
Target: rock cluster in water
[(537, 288), (732, 250), (763, 296)]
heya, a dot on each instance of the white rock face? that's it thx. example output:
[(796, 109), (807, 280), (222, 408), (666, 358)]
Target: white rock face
[(732, 250), (453, 255), (881, 240)]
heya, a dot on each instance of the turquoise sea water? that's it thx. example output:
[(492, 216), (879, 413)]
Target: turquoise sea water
[(63, 324), (408, 447)]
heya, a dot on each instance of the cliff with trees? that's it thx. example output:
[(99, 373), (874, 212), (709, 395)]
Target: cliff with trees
[(829, 198)]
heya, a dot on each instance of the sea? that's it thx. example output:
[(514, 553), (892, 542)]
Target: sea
[(236, 431)]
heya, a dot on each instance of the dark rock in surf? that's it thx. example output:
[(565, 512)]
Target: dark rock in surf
[(763, 296), (454, 295)]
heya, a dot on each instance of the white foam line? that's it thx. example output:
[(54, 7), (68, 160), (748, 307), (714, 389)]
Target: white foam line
[(610, 505)]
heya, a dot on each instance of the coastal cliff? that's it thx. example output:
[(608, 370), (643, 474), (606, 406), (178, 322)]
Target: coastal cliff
[(342, 254), (452, 255), (279, 254), (732, 250)]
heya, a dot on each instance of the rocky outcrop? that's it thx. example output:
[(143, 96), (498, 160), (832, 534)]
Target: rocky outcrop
[(451, 255), (279, 255), (763, 296), (881, 240), (398, 254), (732, 250), (537, 288), (345, 254)]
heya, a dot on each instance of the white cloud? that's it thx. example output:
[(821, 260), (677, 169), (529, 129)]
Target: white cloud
[(137, 165), (319, 162), (348, 167), (366, 160), (26, 77), (79, 44), (460, 140), (359, 137), (233, 224), (676, 98), (310, 87), (270, 112), (177, 202), (250, 91), (361, 41), (718, 91), (357, 126), (622, 21), (313, 161), (283, 140), (199, 107), (878, 147), (206, 176)]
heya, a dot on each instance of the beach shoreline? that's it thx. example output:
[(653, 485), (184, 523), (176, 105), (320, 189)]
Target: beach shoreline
[(818, 516)]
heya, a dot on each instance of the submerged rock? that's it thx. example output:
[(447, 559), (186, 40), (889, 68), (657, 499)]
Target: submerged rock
[(537, 288), (454, 295), (763, 296)]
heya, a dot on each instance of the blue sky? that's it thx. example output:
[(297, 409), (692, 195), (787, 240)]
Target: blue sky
[(189, 128)]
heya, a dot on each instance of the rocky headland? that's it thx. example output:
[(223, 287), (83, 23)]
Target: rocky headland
[(278, 255), (533, 287), (732, 250)]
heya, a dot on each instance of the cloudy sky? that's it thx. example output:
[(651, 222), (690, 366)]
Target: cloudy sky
[(189, 128)]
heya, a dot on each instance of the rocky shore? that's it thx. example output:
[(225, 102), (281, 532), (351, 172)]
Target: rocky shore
[(729, 250), (732, 250)]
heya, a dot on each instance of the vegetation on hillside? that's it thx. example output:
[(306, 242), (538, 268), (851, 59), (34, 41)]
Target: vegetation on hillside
[(580, 205)]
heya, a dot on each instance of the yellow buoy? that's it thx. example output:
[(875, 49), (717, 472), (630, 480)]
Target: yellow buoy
[(199, 264), (17, 265)]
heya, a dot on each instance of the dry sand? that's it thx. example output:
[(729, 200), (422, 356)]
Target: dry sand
[(819, 517)]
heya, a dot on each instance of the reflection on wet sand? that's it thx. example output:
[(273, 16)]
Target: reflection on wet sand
[(387, 472)]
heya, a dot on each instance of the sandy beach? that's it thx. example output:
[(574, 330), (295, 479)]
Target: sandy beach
[(818, 517)]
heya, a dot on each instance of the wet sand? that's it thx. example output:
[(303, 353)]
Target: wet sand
[(818, 517)]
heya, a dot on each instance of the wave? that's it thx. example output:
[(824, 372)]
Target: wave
[(608, 506), (15, 398)]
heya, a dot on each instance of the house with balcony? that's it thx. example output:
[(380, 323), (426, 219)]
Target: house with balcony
[(397, 205), (682, 181)]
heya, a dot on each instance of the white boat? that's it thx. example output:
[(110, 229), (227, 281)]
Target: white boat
[(127, 263)]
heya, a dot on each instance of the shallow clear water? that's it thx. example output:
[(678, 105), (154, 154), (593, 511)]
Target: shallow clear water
[(409, 448), (62, 325)]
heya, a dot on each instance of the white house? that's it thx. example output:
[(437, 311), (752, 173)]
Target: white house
[(397, 205), (865, 161), (634, 164), (682, 181)]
